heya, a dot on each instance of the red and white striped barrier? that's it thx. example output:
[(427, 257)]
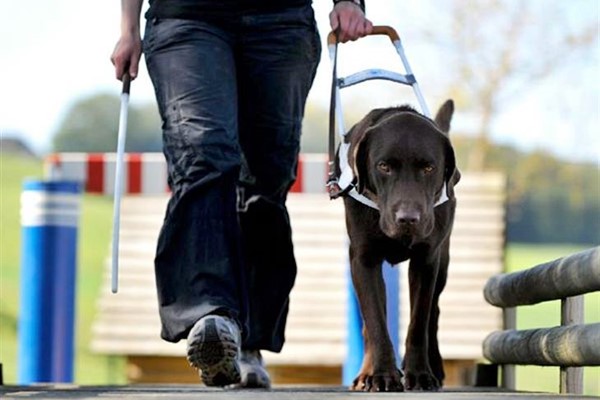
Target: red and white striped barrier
[(146, 173), (312, 174)]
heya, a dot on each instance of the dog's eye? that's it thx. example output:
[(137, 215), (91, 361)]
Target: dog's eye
[(383, 167), (428, 168)]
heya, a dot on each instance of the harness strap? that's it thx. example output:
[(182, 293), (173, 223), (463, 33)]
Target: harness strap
[(333, 187), (346, 186)]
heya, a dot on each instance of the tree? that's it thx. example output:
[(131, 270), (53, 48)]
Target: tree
[(498, 49), (549, 200), (91, 125)]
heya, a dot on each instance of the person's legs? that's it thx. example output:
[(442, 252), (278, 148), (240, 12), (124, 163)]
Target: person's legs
[(198, 259), (279, 54)]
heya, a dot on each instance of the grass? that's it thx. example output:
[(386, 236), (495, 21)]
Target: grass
[(94, 236), (93, 240), (12, 171)]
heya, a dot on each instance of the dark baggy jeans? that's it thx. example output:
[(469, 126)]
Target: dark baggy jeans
[(231, 96)]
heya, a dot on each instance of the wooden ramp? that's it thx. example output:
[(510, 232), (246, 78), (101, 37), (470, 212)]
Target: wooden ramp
[(198, 392), (127, 323)]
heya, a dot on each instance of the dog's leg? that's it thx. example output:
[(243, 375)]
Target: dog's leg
[(364, 380), (422, 275), (435, 358), (379, 352)]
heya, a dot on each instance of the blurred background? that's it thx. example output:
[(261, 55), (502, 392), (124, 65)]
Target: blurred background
[(524, 76)]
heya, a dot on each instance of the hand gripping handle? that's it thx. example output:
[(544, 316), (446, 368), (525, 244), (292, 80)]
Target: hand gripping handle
[(377, 30), (126, 83)]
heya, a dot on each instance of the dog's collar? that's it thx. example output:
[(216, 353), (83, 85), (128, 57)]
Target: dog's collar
[(347, 182)]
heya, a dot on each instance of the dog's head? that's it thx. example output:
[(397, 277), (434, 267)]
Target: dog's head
[(404, 161)]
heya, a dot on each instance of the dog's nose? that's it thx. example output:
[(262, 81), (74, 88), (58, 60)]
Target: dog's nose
[(405, 217)]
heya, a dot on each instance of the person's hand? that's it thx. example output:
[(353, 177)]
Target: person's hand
[(126, 56), (349, 21)]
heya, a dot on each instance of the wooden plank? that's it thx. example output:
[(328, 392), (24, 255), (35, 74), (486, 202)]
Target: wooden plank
[(128, 346), (294, 374), (324, 391), (466, 239), (565, 277), (487, 227), (141, 305), (569, 346), (475, 253), (148, 369), (476, 213), (461, 351)]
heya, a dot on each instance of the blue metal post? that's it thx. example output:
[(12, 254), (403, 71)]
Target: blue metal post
[(354, 342), (391, 276), (49, 218)]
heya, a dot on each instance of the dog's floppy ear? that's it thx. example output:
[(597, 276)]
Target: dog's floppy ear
[(451, 173), (357, 157), (444, 116)]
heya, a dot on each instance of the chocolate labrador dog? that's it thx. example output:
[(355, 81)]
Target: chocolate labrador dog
[(404, 165)]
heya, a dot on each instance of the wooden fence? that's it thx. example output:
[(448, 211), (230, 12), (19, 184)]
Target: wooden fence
[(570, 346)]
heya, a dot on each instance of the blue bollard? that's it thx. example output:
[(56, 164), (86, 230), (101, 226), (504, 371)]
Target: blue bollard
[(391, 276), (49, 219), (354, 342)]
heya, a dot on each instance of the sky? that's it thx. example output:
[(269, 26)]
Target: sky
[(53, 53)]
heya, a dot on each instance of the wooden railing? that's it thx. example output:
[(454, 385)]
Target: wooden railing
[(570, 346)]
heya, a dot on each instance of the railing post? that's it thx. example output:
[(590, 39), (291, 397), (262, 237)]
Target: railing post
[(571, 378), (509, 316)]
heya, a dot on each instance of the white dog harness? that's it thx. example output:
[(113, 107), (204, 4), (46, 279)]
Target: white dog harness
[(345, 183)]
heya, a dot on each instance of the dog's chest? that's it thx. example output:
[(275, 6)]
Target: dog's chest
[(395, 252)]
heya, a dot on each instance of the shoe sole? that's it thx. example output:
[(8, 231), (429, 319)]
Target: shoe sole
[(214, 356)]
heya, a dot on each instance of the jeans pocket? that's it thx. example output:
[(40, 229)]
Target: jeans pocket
[(160, 33), (148, 40)]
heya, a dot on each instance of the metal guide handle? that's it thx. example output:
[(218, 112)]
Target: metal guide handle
[(377, 30), (370, 74)]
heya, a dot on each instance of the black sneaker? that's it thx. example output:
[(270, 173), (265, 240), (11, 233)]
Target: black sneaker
[(253, 371), (213, 347)]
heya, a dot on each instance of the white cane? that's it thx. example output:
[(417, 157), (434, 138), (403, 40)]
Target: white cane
[(119, 182)]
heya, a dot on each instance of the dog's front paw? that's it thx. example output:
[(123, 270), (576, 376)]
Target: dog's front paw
[(421, 380), (388, 382), (391, 382), (362, 382)]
